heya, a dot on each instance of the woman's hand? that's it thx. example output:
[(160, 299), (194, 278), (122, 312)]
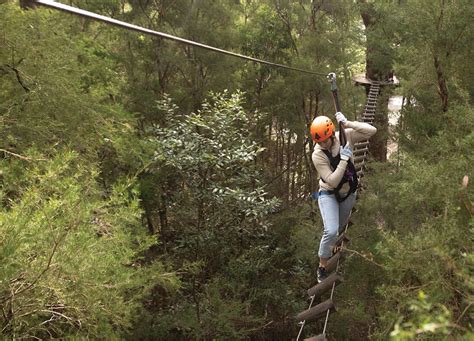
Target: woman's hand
[(341, 118), (346, 152)]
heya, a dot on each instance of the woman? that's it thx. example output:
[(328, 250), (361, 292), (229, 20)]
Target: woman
[(338, 179)]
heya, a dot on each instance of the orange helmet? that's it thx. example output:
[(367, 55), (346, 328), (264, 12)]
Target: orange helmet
[(322, 128)]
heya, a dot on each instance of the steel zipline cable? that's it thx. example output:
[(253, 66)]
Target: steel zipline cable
[(123, 24)]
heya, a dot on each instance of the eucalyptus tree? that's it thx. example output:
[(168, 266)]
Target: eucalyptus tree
[(434, 63), (156, 66)]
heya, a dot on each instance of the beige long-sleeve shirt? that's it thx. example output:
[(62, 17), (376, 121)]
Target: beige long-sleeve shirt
[(355, 132)]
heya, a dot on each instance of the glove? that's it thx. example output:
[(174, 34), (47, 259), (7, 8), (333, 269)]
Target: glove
[(341, 118), (346, 152)]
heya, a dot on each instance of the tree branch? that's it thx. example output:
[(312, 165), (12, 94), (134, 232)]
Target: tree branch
[(20, 156), (18, 77), (48, 265), (366, 257)]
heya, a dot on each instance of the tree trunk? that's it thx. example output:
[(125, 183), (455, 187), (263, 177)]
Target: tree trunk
[(288, 166), (368, 17), (379, 142), (442, 87)]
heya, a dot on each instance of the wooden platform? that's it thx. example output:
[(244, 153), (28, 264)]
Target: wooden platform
[(360, 79)]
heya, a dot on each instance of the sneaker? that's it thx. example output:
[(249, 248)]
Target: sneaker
[(322, 274)]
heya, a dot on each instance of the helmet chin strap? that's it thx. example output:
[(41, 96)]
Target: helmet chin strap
[(332, 142)]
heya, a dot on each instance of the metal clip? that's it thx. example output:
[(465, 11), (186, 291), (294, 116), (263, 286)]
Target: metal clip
[(331, 76)]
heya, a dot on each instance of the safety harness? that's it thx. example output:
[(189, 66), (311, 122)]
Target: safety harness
[(350, 175)]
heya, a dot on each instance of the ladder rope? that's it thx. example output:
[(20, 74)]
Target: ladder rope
[(365, 118)]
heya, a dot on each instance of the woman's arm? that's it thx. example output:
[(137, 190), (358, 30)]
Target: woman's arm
[(360, 131), (321, 163)]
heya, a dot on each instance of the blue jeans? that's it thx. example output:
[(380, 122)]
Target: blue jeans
[(335, 217)]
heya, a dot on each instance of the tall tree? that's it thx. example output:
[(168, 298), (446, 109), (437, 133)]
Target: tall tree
[(379, 65), (441, 38)]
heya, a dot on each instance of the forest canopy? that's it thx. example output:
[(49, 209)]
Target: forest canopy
[(154, 190)]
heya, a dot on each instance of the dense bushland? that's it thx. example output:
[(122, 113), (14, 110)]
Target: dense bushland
[(153, 190)]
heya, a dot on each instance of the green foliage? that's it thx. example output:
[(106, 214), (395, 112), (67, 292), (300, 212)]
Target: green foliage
[(235, 257), (59, 89), (417, 213), (267, 37), (427, 319), (71, 237), (433, 50), (69, 255), (217, 209), (211, 153), (424, 222)]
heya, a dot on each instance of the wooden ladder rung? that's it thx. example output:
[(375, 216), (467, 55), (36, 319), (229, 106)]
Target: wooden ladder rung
[(319, 289), (342, 238), (359, 151), (28, 4), (361, 144), (319, 337), (332, 262), (316, 312)]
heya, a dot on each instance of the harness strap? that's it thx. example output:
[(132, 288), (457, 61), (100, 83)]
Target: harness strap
[(350, 175)]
